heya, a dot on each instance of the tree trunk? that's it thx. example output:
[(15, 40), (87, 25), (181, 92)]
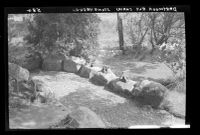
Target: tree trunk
[(142, 38), (120, 33), (153, 45)]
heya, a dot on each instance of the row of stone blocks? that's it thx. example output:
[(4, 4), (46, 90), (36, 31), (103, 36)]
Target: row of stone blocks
[(145, 91)]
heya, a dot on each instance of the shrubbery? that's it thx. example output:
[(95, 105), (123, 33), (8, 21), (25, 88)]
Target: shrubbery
[(67, 34), (154, 29)]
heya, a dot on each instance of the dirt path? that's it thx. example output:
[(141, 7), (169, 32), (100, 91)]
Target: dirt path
[(73, 91), (116, 111), (36, 116)]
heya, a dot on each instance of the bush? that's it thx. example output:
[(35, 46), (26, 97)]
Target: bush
[(180, 81), (72, 34)]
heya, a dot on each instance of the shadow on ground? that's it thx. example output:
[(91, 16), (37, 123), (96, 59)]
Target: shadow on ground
[(118, 64)]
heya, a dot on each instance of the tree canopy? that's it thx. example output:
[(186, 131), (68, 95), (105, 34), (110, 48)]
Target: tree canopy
[(64, 33)]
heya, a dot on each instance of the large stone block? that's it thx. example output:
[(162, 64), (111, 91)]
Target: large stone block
[(32, 63), (52, 64), (87, 71), (87, 118), (78, 60), (70, 66), (100, 78), (124, 88), (151, 93), (18, 72), (175, 103)]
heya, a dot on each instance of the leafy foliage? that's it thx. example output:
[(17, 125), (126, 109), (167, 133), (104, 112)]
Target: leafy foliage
[(63, 34), (16, 31), (158, 31), (160, 26)]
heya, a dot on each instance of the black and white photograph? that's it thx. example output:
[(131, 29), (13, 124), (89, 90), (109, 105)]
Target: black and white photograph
[(93, 69)]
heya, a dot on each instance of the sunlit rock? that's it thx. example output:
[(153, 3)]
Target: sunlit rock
[(70, 66), (101, 78), (175, 103), (87, 118), (87, 71), (151, 93)]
